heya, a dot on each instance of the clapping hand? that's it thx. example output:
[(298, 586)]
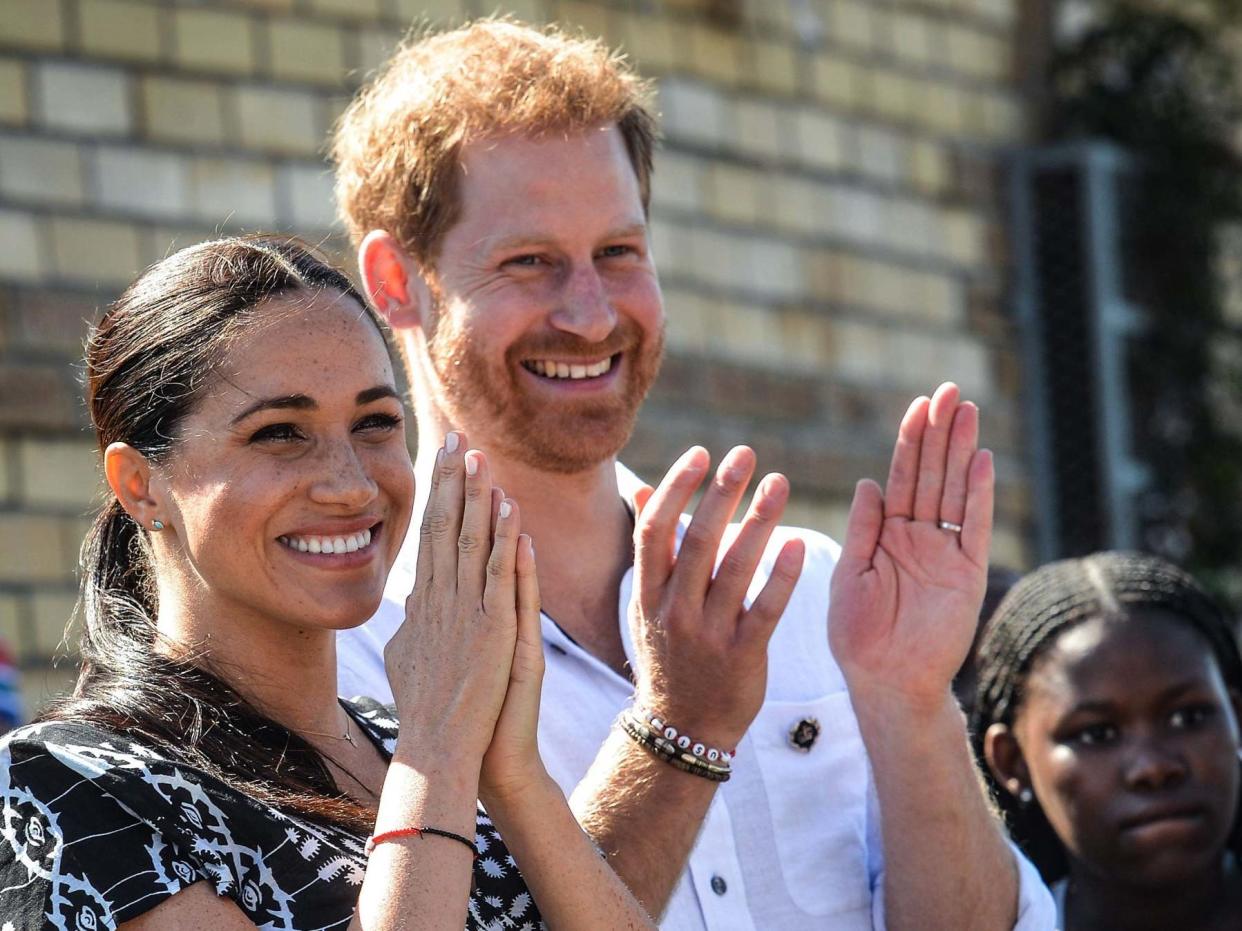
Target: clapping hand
[(913, 568)]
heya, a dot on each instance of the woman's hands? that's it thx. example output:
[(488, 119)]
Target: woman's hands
[(451, 663), (906, 592)]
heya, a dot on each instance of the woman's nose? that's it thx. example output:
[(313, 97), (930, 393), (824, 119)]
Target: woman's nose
[(343, 478)]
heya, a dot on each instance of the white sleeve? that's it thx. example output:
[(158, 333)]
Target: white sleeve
[(360, 654)]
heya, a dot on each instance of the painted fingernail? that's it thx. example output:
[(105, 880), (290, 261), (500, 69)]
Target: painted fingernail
[(450, 442), (505, 508), (472, 463)]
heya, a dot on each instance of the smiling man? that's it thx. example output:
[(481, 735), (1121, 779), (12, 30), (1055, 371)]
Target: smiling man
[(496, 181)]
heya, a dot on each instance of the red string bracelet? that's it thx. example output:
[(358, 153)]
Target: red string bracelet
[(376, 839)]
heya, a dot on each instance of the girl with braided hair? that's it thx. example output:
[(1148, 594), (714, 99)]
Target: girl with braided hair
[(1107, 714)]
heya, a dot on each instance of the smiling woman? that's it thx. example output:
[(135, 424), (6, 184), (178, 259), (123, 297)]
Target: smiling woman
[(1107, 711), (204, 773)]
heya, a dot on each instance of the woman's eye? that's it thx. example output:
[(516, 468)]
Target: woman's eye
[(1192, 716), (382, 423), (1095, 734), (276, 433)]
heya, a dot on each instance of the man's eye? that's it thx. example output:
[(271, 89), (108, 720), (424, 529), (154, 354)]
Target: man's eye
[(612, 252), (276, 433), (524, 261)]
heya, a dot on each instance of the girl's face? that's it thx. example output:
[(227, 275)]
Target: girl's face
[(290, 487), (1130, 741)]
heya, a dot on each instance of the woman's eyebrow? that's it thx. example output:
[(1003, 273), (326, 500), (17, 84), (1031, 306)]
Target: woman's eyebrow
[(299, 402), (374, 394)]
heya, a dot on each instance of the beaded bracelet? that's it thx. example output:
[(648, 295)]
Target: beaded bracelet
[(376, 839), (684, 741), (667, 751)]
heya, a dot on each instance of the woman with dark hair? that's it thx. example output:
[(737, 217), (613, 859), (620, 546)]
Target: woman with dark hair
[(204, 773), (1107, 712)]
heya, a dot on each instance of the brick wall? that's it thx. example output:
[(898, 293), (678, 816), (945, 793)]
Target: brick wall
[(826, 219)]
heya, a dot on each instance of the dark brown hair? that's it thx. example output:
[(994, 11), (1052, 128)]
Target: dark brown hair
[(148, 361)]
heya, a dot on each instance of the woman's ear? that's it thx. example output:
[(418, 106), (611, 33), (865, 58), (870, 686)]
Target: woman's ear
[(1005, 760), (393, 281), (129, 476)]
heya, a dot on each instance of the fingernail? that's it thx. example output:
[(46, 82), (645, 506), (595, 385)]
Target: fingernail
[(450, 442), (472, 463), (505, 508)]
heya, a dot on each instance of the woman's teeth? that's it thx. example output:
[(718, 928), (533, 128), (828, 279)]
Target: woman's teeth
[(348, 543), (550, 369)]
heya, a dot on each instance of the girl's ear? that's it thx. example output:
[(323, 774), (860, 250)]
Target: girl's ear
[(129, 476), (1005, 759), (394, 281)]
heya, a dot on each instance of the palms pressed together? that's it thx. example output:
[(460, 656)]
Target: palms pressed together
[(906, 592)]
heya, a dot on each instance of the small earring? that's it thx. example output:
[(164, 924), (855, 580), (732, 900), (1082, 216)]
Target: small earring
[(1026, 796), (157, 525)]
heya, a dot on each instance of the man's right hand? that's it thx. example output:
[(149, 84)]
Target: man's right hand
[(701, 653)]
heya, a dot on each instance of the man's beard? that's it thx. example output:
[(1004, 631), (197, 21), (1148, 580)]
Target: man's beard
[(489, 399)]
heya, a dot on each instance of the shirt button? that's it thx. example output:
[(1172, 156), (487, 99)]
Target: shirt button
[(719, 886)]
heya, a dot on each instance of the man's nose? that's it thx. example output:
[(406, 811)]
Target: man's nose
[(342, 478), (585, 309)]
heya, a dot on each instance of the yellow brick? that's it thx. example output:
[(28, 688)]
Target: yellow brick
[(354, 9), (41, 169), (735, 195), (31, 549), (277, 5), (14, 106), (95, 252), (302, 51), (441, 12), (590, 18), (120, 29), (908, 38), (528, 11), (775, 66), (8, 481), (688, 316), (648, 42), (715, 54), (929, 167), (893, 94), (183, 111), (42, 684), (833, 80), (20, 255), (214, 40), (32, 24), (962, 237), (60, 472), (851, 24), (53, 615), (12, 626), (375, 46), (942, 108), (279, 120), (1003, 118)]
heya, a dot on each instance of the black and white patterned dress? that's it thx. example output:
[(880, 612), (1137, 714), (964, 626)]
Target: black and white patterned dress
[(98, 830)]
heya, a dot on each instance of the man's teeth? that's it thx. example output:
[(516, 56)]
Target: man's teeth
[(549, 369), (347, 543)]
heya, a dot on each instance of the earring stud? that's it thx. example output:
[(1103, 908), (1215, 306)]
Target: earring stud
[(157, 525), (1026, 796)]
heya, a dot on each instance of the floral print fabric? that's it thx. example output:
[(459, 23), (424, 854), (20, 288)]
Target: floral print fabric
[(96, 830)]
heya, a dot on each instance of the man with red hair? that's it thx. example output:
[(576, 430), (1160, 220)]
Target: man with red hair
[(496, 180)]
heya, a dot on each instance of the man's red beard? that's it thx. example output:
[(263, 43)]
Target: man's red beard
[(488, 399)]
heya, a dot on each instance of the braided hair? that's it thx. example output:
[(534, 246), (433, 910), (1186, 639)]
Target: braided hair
[(1039, 609)]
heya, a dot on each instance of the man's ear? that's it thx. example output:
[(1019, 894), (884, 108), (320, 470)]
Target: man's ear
[(1005, 759), (394, 282), (129, 476)]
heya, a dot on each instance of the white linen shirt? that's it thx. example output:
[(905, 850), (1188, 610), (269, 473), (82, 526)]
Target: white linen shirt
[(792, 840)]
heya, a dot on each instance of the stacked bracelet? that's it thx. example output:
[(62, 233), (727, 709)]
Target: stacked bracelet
[(678, 750), (399, 833)]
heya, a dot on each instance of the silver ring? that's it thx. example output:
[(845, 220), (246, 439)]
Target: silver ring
[(949, 525)]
